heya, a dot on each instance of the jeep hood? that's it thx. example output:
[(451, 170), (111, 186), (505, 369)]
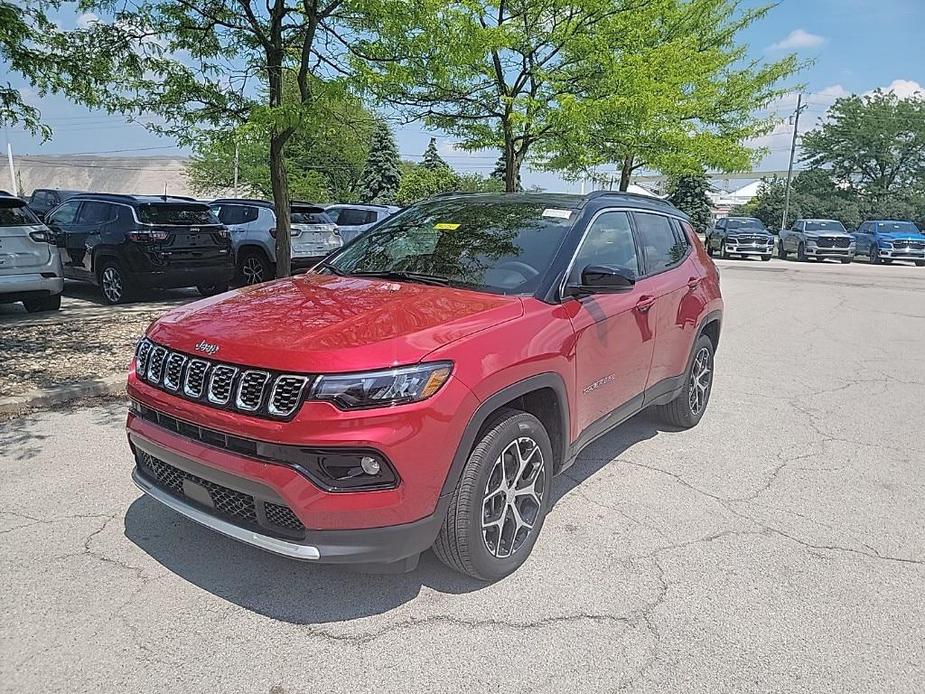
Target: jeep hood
[(322, 323)]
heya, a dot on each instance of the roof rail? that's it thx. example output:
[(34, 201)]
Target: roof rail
[(625, 194)]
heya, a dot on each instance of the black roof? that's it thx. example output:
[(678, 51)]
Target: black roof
[(265, 203), (137, 199), (595, 200)]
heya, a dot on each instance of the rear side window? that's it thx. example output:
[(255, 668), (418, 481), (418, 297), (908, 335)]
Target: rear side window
[(16, 215), (175, 213), (235, 214), (609, 242), (354, 217), (93, 212), (664, 246)]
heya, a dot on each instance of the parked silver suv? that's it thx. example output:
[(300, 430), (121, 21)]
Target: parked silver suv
[(353, 220), (30, 267), (252, 224), (817, 239)]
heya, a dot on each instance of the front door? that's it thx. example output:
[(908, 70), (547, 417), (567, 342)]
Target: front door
[(614, 332)]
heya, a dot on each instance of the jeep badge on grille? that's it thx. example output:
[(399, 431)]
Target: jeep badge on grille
[(207, 347)]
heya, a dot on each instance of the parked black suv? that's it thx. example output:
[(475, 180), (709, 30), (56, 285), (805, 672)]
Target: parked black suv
[(127, 243), (44, 200)]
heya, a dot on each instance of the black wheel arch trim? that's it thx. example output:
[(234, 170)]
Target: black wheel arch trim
[(491, 404)]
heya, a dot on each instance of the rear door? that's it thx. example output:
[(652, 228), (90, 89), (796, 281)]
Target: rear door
[(614, 332), (675, 280), (84, 233), (22, 250)]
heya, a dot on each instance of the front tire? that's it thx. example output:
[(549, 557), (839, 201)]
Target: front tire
[(687, 409), (801, 252), (920, 263), (874, 255), (500, 502), (43, 303), (781, 252), (766, 257), (845, 261)]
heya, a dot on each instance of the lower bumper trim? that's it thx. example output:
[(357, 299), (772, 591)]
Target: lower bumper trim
[(271, 544)]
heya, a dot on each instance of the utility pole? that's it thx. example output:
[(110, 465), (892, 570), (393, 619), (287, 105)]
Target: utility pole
[(793, 149), (9, 156), (237, 154)]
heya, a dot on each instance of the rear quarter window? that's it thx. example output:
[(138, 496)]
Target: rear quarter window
[(310, 217)]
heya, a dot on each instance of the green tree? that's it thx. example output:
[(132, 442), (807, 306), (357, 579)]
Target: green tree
[(689, 194), (813, 195), (382, 173), (492, 73), (676, 92), (873, 145), (418, 183), (432, 158)]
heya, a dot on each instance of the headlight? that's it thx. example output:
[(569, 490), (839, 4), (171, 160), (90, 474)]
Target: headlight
[(886, 244), (382, 388)]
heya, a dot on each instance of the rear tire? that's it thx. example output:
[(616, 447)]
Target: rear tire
[(253, 268), (482, 535), (212, 289), (114, 283), (42, 303), (687, 409)]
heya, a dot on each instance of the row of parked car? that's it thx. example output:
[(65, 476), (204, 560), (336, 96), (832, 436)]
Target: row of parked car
[(126, 244), (879, 240)]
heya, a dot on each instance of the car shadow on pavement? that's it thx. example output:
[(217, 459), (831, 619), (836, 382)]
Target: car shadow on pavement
[(303, 593)]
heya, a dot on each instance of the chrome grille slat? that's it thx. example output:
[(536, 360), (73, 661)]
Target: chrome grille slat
[(141, 357), (286, 395), (173, 371), (221, 383), (251, 387), (156, 364), (195, 381)]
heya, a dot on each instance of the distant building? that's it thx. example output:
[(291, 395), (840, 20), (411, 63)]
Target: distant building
[(723, 201)]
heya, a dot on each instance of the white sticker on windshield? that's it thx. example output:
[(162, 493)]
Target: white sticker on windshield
[(560, 214)]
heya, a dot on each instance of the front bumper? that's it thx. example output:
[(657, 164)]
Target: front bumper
[(186, 276), (749, 249), (900, 253), (374, 546), (819, 252)]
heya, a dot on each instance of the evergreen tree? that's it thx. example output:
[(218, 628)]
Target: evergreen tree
[(432, 159), (689, 194), (499, 173), (382, 173)]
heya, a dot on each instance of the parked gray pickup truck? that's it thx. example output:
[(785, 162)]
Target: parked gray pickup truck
[(817, 239)]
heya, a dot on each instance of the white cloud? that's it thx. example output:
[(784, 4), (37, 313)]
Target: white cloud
[(904, 89), (86, 19), (797, 39)]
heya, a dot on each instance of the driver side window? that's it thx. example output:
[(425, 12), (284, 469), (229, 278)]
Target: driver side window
[(64, 214), (609, 242)]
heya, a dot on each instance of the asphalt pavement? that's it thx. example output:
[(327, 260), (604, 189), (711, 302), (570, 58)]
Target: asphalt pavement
[(779, 546)]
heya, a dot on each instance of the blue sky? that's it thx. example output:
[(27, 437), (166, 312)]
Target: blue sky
[(855, 46)]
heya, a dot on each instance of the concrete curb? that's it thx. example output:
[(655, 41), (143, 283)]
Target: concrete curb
[(111, 385)]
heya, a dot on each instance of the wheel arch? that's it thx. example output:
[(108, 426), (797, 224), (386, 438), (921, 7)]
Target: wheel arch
[(543, 395)]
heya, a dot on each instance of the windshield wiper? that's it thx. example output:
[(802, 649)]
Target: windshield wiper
[(404, 275), (333, 268)]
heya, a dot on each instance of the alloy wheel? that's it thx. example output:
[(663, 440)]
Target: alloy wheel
[(252, 271), (701, 374), (513, 497), (112, 284)]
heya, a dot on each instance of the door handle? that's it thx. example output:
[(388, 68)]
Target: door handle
[(645, 303), (694, 282)]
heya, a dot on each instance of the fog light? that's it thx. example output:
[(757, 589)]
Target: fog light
[(370, 465)]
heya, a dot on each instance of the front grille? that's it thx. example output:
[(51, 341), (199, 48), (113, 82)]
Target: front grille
[(229, 503), (256, 392), (833, 242), (761, 240), (909, 245), (221, 383)]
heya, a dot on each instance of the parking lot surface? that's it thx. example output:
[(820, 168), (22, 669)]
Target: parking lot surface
[(779, 546)]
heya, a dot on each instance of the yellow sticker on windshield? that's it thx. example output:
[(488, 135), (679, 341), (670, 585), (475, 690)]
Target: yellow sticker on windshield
[(446, 226)]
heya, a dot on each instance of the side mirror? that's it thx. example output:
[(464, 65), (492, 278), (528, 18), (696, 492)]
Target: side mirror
[(602, 279)]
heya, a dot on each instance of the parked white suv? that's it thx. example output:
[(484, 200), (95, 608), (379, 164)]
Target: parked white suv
[(353, 220), (30, 267), (252, 224)]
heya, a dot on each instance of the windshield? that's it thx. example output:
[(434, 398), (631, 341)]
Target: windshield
[(745, 224), (827, 225), (897, 228), (502, 246), (176, 213), (16, 214)]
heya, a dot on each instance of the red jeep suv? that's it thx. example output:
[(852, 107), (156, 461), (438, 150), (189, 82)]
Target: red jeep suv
[(422, 386)]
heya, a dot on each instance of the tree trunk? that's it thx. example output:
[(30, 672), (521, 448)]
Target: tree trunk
[(280, 182), (625, 172), (511, 165)]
